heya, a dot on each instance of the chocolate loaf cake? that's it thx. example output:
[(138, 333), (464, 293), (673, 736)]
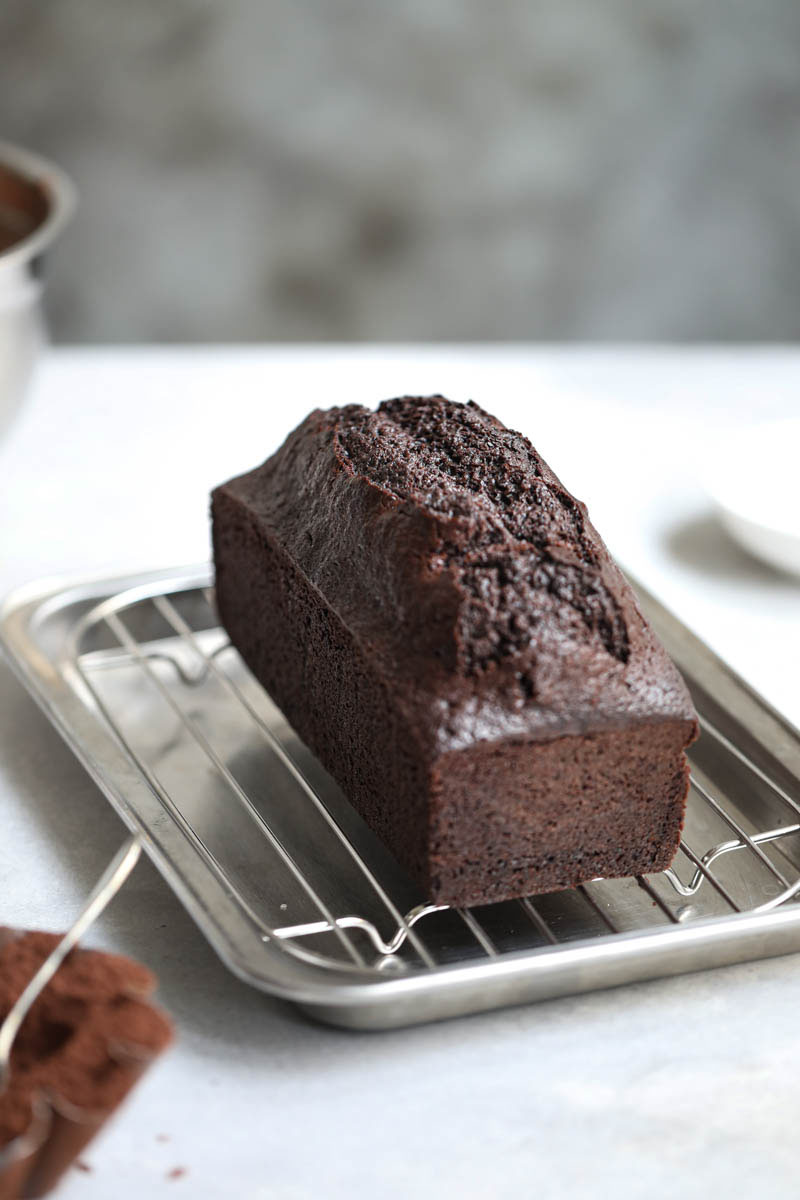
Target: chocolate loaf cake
[(79, 1051), (444, 628)]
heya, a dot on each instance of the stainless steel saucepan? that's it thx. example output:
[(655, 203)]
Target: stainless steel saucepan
[(36, 201)]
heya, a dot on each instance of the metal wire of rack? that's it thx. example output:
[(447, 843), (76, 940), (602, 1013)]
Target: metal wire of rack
[(196, 655)]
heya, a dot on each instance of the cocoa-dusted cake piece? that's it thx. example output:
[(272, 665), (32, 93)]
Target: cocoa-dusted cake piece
[(442, 625), (79, 1051)]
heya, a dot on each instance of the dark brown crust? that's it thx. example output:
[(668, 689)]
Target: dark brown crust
[(431, 608)]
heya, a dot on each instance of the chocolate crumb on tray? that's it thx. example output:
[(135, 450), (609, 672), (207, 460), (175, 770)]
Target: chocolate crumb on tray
[(444, 628), (86, 1040)]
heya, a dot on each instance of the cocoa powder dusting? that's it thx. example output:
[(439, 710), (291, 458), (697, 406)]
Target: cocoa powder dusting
[(86, 1036)]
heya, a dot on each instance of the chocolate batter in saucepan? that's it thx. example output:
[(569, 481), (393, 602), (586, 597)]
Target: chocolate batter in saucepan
[(24, 205)]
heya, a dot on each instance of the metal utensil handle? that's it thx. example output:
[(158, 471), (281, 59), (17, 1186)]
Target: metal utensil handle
[(106, 888)]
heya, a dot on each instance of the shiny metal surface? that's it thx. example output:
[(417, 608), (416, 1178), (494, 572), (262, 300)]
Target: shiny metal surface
[(296, 894), (34, 212)]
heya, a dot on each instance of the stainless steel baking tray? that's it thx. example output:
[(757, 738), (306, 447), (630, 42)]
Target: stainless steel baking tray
[(295, 893)]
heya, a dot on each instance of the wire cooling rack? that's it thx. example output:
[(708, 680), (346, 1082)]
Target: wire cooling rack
[(301, 899)]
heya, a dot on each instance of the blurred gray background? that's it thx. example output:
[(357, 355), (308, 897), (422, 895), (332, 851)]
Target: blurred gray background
[(424, 169)]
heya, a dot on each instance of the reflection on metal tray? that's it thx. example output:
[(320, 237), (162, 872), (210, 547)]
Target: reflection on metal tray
[(300, 899)]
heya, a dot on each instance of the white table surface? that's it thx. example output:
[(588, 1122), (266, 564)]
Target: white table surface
[(678, 1088)]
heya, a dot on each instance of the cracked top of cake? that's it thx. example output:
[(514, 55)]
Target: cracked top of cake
[(455, 556)]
